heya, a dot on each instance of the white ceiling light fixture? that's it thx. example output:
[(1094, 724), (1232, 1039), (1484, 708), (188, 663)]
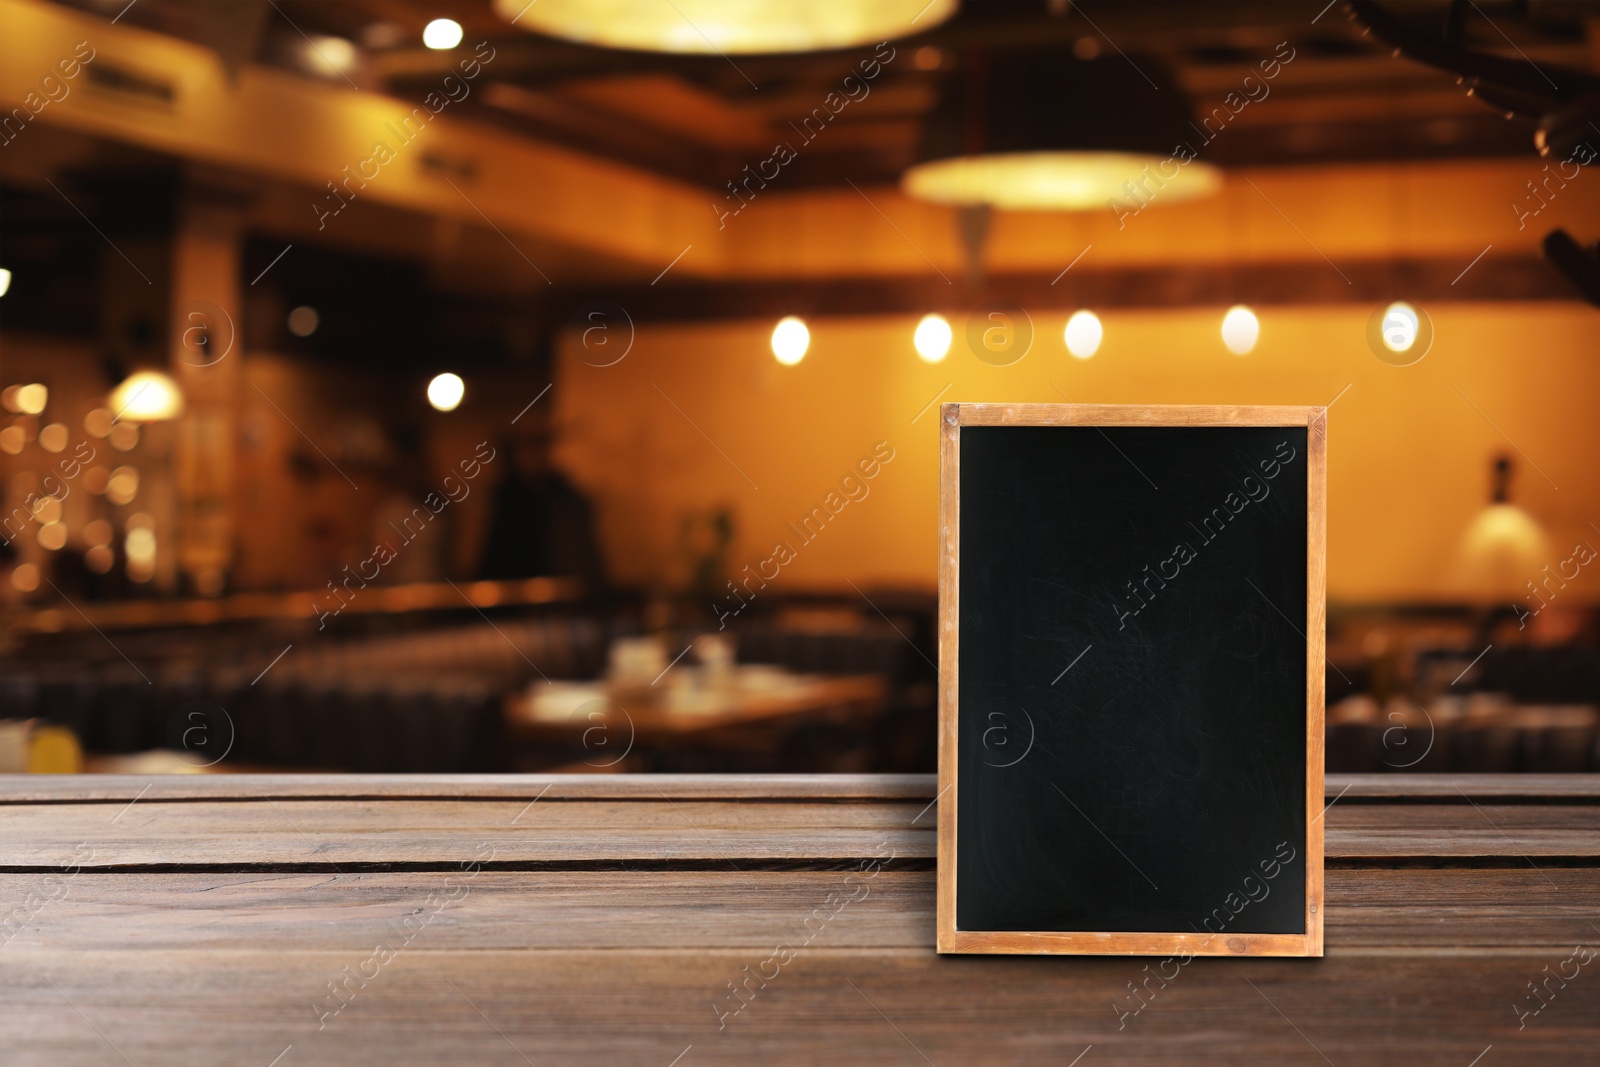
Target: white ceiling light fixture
[(721, 27), (445, 391), (1240, 330), (1083, 334), (790, 339), (932, 338), (442, 34), (1036, 129)]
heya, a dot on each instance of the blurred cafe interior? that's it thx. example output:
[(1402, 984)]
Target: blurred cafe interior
[(484, 385)]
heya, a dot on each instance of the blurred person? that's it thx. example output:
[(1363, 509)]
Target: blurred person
[(540, 523)]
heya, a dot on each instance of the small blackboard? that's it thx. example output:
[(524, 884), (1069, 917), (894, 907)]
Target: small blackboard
[(1131, 679)]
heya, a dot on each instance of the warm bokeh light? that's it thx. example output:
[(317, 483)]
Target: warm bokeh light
[(122, 486), (98, 422), (717, 27), (1240, 329), (932, 338), (31, 399), (25, 579), (790, 339), (330, 55), (139, 546), (1069, 181), (5, 281), (441, 34), (303, 321), (1400, 326), (445, 391), (147, 396), (53, 536), (53, 438), (1500, 551), (1083, 334), (124, 436)]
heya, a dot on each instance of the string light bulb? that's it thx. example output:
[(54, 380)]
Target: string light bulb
[(932, 338), (790, 339), (445, 391), (1240, 330), (442, 34), (1083, 334)]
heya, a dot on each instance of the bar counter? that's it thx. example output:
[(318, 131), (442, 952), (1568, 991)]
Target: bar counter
[(671, 921)]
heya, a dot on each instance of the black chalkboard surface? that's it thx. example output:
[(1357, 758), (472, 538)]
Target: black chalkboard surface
[(1131, 680)]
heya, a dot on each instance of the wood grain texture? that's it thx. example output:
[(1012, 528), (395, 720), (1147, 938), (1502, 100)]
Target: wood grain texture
[(362, 833), (121, 788), (950, 658), (1373, 909), (216, 957), (1316, 661), (1132, 415)]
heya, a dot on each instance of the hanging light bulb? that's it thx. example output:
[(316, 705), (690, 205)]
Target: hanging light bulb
[(932, 338), (445, 391), (1400, 326), (442, 34), (790, 339), (1083, 334), (1240, 329)]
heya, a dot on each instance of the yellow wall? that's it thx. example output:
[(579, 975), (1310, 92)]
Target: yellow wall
[(1408, 456)]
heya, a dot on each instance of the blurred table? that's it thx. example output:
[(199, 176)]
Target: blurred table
[(751, 703)]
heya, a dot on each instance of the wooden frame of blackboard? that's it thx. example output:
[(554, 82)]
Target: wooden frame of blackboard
[(953, 416)]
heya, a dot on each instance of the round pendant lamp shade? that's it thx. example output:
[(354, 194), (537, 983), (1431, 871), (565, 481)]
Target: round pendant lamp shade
[(726, 26), (1043, 130)]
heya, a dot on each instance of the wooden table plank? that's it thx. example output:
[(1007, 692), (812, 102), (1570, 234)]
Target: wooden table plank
[(121, 788), (334, 833), (646, 1006), (1429, 911)]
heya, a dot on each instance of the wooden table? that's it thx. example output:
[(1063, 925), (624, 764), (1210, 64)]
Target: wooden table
[(200, 920)]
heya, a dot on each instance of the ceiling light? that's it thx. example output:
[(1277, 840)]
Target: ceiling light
[(715, 27), (445, 391), (147, 396), (441, 34), (1035, 130), (932, 338), (1240, 329), (790, 339), (1083, 334)]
